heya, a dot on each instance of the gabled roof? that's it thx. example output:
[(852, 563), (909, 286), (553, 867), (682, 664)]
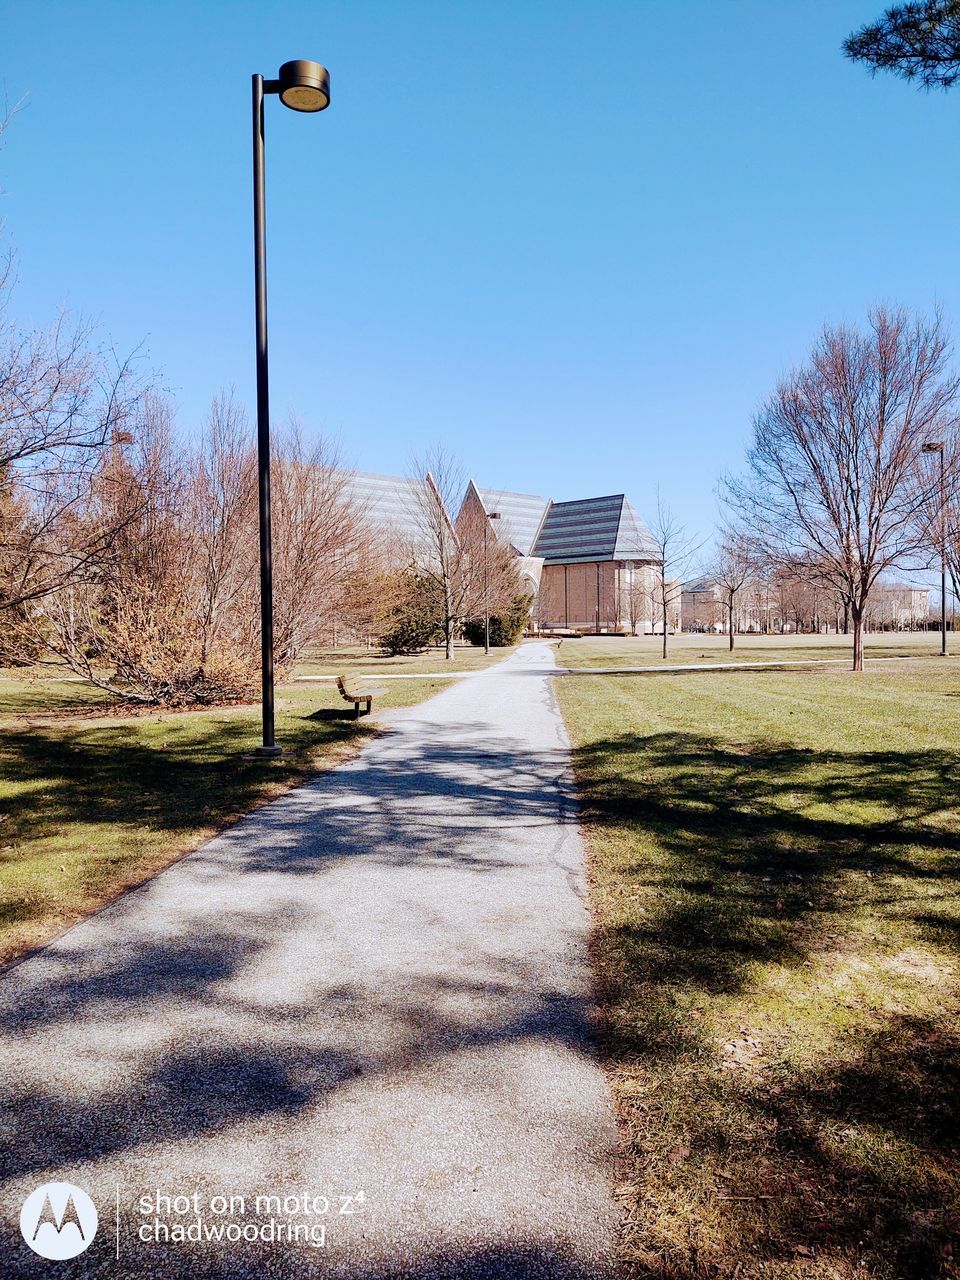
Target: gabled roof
[(594, 529), (633, 537), (391, 503), (520, 516)]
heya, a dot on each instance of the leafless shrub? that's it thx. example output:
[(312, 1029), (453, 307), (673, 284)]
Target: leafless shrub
[(170, 610)]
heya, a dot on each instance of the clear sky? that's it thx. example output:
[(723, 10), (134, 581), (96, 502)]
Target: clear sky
[(578, 241)]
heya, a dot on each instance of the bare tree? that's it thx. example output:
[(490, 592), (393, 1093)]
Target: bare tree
[(128, 626), (832, 473), (733, 567), (319, 542), (800, 594), (951, 528), (675, 550), (450, 559), (169, 611), (221, 513), (64, 404), (918, 41), (636, 603)]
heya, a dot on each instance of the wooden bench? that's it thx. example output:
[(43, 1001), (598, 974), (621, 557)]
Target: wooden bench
[(357, 695)]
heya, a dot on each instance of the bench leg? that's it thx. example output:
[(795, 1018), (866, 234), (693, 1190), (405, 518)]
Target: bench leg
[(356, 711), (369, 701)]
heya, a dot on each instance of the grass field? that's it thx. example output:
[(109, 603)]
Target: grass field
[(624, 651), (326, 662), (92, 801), (774, 872)]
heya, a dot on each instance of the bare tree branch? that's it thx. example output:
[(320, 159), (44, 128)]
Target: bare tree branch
[(833, 480)]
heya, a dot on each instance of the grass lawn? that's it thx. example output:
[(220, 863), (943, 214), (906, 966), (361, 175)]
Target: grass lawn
[(625, 651), (774, 872), (331, 662), (92, 801)]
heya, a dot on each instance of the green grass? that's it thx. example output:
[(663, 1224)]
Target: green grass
[(614, 651), (774, 871), (92, 801), (34, 692), (319, 662)]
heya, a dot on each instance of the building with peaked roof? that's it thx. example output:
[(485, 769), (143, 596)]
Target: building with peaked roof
[(592, 530), (598, 567), (589, 561), (514, 519), (521, 515), (588, 564), (390, 504)]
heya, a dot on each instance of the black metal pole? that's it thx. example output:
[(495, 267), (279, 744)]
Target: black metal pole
[(486, 591), (943, 554), (269, 747)]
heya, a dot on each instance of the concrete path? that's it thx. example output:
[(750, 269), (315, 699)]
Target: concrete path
[(375, 990)]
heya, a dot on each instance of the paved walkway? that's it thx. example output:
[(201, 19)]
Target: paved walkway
[(377, 984), (662, 668)]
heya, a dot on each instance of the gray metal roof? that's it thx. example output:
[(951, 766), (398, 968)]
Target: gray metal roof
[(387, 502), (520, 516), (594, 529), (633, 537)]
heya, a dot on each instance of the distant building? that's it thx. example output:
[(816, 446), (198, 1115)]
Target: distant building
[(599, 567), (789, 605), (520, 516), (897, 606), (702, 606), (588, 565), (389, 504)]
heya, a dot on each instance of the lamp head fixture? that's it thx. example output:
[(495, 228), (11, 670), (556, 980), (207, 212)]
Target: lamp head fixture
[(302, 85)]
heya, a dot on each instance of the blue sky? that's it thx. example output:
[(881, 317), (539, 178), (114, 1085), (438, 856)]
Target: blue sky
[(577, 241)]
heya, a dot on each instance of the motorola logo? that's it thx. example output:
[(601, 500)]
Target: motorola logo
[(58, 1220)]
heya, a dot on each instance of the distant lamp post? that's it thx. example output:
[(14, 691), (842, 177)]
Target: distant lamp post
[(491, 515), (302, 86), (937, 446)]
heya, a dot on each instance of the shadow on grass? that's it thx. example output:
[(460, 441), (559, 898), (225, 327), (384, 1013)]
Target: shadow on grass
[(735, 875), (85, 787)]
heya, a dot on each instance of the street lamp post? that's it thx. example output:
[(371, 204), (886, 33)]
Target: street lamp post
[(937, 446), (491, 515), (302, 86)]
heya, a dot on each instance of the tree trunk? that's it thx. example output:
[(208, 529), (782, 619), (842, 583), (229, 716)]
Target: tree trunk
[(856, 612), (664, 625), (846, 617), (449, 623), (730, 620)]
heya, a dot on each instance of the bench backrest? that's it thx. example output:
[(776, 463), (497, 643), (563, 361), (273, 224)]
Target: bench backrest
[(351, 695)]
